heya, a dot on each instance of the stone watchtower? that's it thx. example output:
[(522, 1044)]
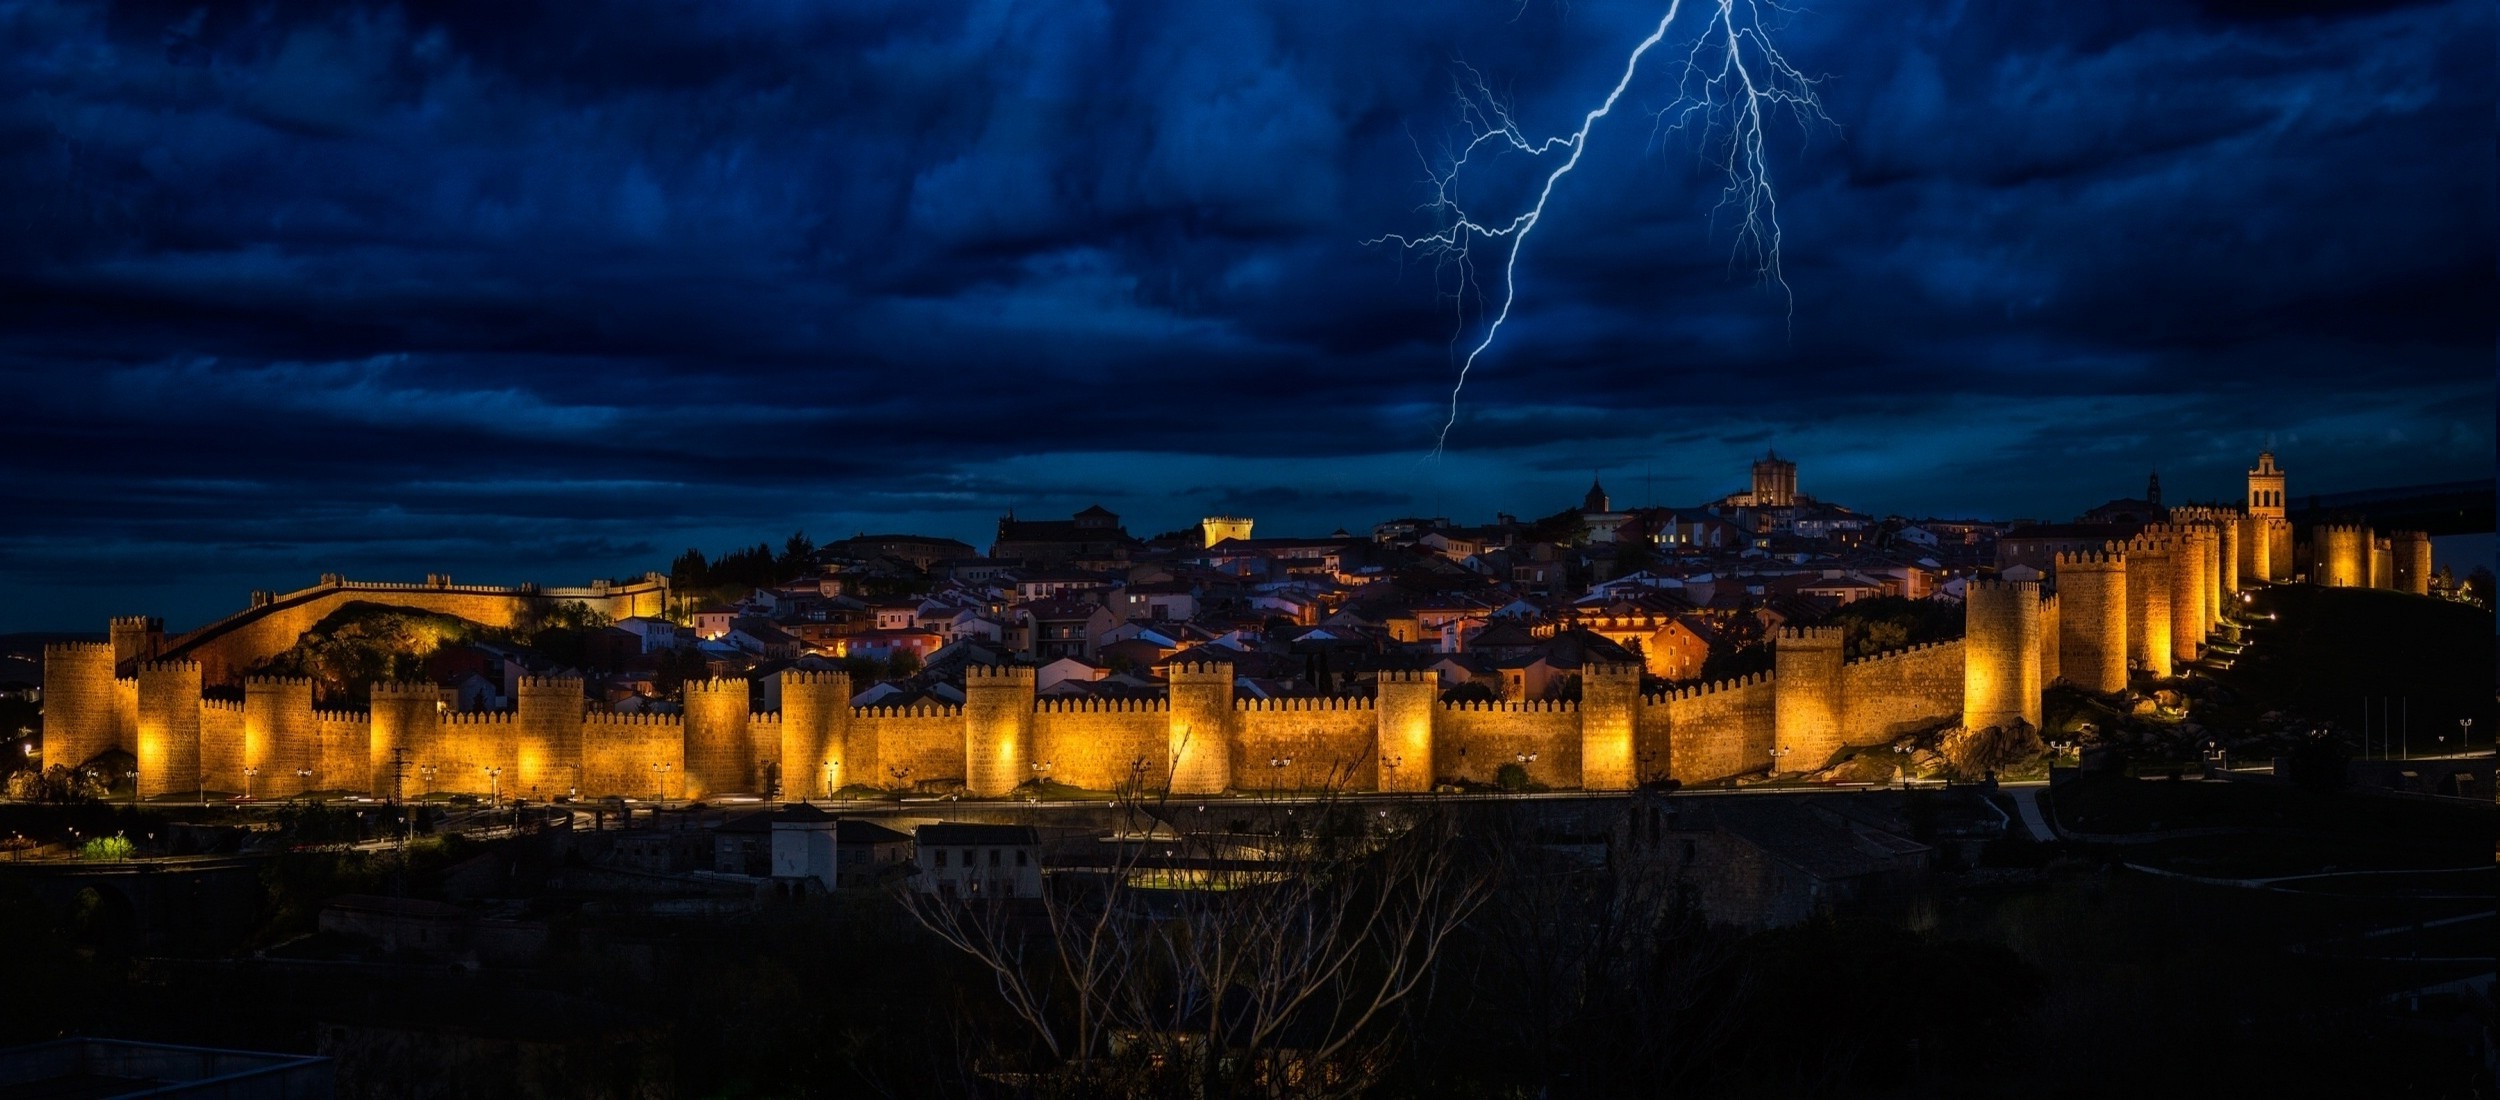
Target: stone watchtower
[(136, 637), (1200, 731), (2265, 536), (1806, 699), (2092, 619), (2148, 576), (2412, 550), (1610, 719), (998, 728), (404, 719), (1407, 701), (815, 733), (547, 750), (280, 736), (2001, 654), (169, 728), (2342, 556), (717, 760), (78, 694)]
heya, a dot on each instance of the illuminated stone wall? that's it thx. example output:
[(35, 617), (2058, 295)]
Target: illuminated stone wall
[(1891, 694), (547, 749), (1714, 730), (402, 724), (631, 754), (221, 748), (1306, 744), (717, 761), (1408, 704), (925, 740), (2148, 603), (815, 724), (1474, 740), (228, 646), (1610, 718), (1199, 735)]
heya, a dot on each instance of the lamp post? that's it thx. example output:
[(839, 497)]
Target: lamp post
[(1778, 751), (659, 782), (248, 774), (427, 772), (902, 776), (2465, 736), (829, 766), (494, 785), (1276, 766), (1391, 764)]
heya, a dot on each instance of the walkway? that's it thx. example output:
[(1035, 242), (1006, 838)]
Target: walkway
[(2027, 800)]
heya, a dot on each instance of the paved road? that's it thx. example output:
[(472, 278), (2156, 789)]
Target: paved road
[(2027, 800)]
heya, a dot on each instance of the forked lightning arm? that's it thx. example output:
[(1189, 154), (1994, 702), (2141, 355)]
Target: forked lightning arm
[(1732, 79)]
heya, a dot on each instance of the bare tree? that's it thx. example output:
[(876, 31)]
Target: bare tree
[(1203, 961)]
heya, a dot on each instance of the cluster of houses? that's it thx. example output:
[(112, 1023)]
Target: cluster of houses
[(1508, 609)]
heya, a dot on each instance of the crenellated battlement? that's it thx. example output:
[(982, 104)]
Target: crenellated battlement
[(2092, 561), (560, 683), (1611, 670), (74, 649), (1703, 691), (1905, 651), (1084, 705), (717, 687), (250, 682), (808, 677), (914, 710), (1992, 584), (1514, 706), (1408, 676), (134, 622), (228, 706), (1810, 636), (407, 689), (1308, 704), (1200, 670), (175, 665), (611, 719), (477, 718), (1010, 675), (350, 717)]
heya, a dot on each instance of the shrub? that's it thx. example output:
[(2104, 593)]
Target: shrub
[(1511, 777)]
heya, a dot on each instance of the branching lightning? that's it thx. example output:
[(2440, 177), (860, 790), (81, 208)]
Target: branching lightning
[(1733, 79)]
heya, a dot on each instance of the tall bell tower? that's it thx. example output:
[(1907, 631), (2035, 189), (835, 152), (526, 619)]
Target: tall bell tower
[(2265, 488)]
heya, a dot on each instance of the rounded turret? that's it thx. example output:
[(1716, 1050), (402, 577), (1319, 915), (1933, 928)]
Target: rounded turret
[(401, 727), (1200, 733), (2001, 654), (1806, 697), (1404, 741), (716, 742), (1610, 717), (2340, 555), (998, 728), (78, 694), (2148, 603), (815, 730), (169, 728), (2092, 619), (547, 734), (2412, 553), (281, 739)]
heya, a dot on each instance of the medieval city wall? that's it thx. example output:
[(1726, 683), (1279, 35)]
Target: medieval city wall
[(1713, 730), (1473, 740), (1306, 744), (228, 646), (1901, 691)]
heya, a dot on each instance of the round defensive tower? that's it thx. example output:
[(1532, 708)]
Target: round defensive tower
[(2187, 590), (2382, 563), (1408, 698), (547, 738), (1805, 697), (169, 728), (998, 728), (1610, 717), (716, 741), (2340, 554), (815, 726), (281, 738), (2148, 604), (136, 637), (78, 691), (2092, 619), (1200, 730), (401, 725), (2001, 654), (2413, 562)]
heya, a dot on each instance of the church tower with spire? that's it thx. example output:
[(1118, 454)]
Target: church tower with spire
[(1596, 500)]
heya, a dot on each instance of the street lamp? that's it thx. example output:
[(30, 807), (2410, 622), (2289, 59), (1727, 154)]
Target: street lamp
[(248, 774), (2465, 737), (494, 785), (659, 782), (1778, 751), (829, 766)]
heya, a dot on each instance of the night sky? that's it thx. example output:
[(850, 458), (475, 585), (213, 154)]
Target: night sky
[(292, 288)]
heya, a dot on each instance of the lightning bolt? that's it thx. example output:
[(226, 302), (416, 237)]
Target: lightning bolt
[(1733, 79)]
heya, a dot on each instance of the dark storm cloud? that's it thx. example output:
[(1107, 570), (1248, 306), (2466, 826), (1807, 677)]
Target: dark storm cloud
[(546, 290)]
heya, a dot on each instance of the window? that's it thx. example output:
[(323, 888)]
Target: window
[(941, 857), (967, 857), (993, 857), (1020, 856)]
